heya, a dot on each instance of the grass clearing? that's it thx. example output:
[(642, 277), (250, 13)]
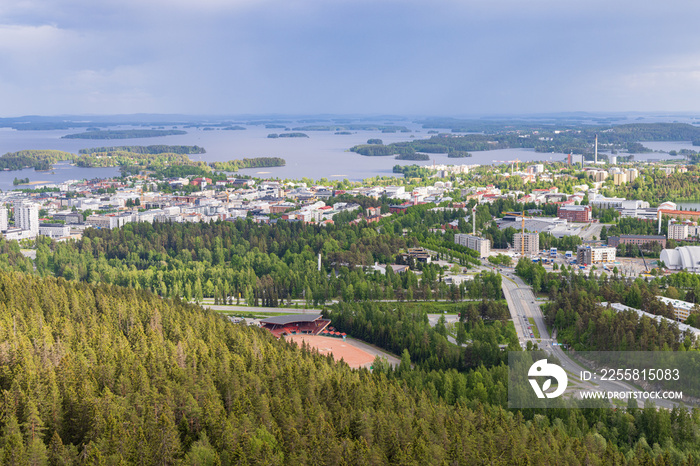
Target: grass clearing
[(533, 327)]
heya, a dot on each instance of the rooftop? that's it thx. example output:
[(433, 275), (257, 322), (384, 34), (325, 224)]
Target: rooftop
[(289, 318)]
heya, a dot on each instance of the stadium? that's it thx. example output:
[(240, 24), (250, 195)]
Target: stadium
[(314, 331), (296, 324)]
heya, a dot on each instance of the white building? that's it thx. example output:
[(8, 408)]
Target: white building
[(476, 243), (27, 216), (618, 307), (18, 234), (678, 231), (54, 230), (586, 255), (682, 258), (602, 202), (3, 218), (531, 243), (681, 309)]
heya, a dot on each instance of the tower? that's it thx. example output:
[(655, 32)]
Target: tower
[(27, 216), (596, 148)]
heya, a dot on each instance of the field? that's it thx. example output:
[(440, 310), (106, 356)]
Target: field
[(356, 354)]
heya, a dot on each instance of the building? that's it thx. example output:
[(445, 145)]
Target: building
[(528, 243), (70, 218), (602, 202), (678, 231), (54, 230), (682, 258), (419, 254), (3, 218), (619, 307), (619, 178), (292, 324), (481, 245), (679, 214), (681, 309), (586, 255), (636, 208), (632, 174), (615, 241), (17, 234), (27, 216), (575, 213)]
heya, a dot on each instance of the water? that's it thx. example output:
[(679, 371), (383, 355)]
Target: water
[(661, 150), (61, 172), (323, 154), (688, 205)]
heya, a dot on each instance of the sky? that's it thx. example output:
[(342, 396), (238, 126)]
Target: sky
[(404, 57)]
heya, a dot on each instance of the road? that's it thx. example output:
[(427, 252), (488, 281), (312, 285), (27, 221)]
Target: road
[(523, 306), (594, 229)]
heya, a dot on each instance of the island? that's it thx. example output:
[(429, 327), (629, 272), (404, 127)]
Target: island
[(287, 135), (125, 134), (153, 149), (37, 159), (257, 162), (413, 156)]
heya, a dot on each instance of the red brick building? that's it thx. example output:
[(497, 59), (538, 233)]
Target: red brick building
[(575, 213)]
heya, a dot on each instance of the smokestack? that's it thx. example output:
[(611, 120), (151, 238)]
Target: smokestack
[(474, 220), (596, 148), (319, 261)]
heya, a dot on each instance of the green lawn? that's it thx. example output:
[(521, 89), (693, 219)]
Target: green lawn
[(534, 328)]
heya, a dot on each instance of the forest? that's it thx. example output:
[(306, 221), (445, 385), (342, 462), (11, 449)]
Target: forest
[(141, 160), (256, 162), (38, 159), (101, 374), (287, 135), (585, 325), (249, 262), (103, 363), (413, 156), (561, 136), (153, 149), (124, 134)]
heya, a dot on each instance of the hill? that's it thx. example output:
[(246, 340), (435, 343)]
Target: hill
[(105, 374)]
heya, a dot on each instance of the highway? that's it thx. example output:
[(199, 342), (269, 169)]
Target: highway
[(523, 306)]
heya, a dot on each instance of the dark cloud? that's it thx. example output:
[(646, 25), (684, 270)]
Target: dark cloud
[(445, 57)]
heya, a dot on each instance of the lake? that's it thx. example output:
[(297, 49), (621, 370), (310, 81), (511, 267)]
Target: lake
[(323, 154)]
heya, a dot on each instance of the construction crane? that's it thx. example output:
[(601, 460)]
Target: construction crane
[(516, 162), (522, 229), (643, 259)]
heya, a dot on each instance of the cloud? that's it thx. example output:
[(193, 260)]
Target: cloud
[(224, 56)]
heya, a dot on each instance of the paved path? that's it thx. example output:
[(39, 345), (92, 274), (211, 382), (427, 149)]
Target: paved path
[(523, 305)]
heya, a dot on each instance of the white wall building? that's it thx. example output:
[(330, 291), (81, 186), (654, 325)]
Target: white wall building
[(27, 216), (54, 230), (481, 245), (587, 255), (3, 218), (682, 258), (677, 231), (531, 243), (681, 309)]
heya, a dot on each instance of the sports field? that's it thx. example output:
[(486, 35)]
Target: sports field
[(355, 353)]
